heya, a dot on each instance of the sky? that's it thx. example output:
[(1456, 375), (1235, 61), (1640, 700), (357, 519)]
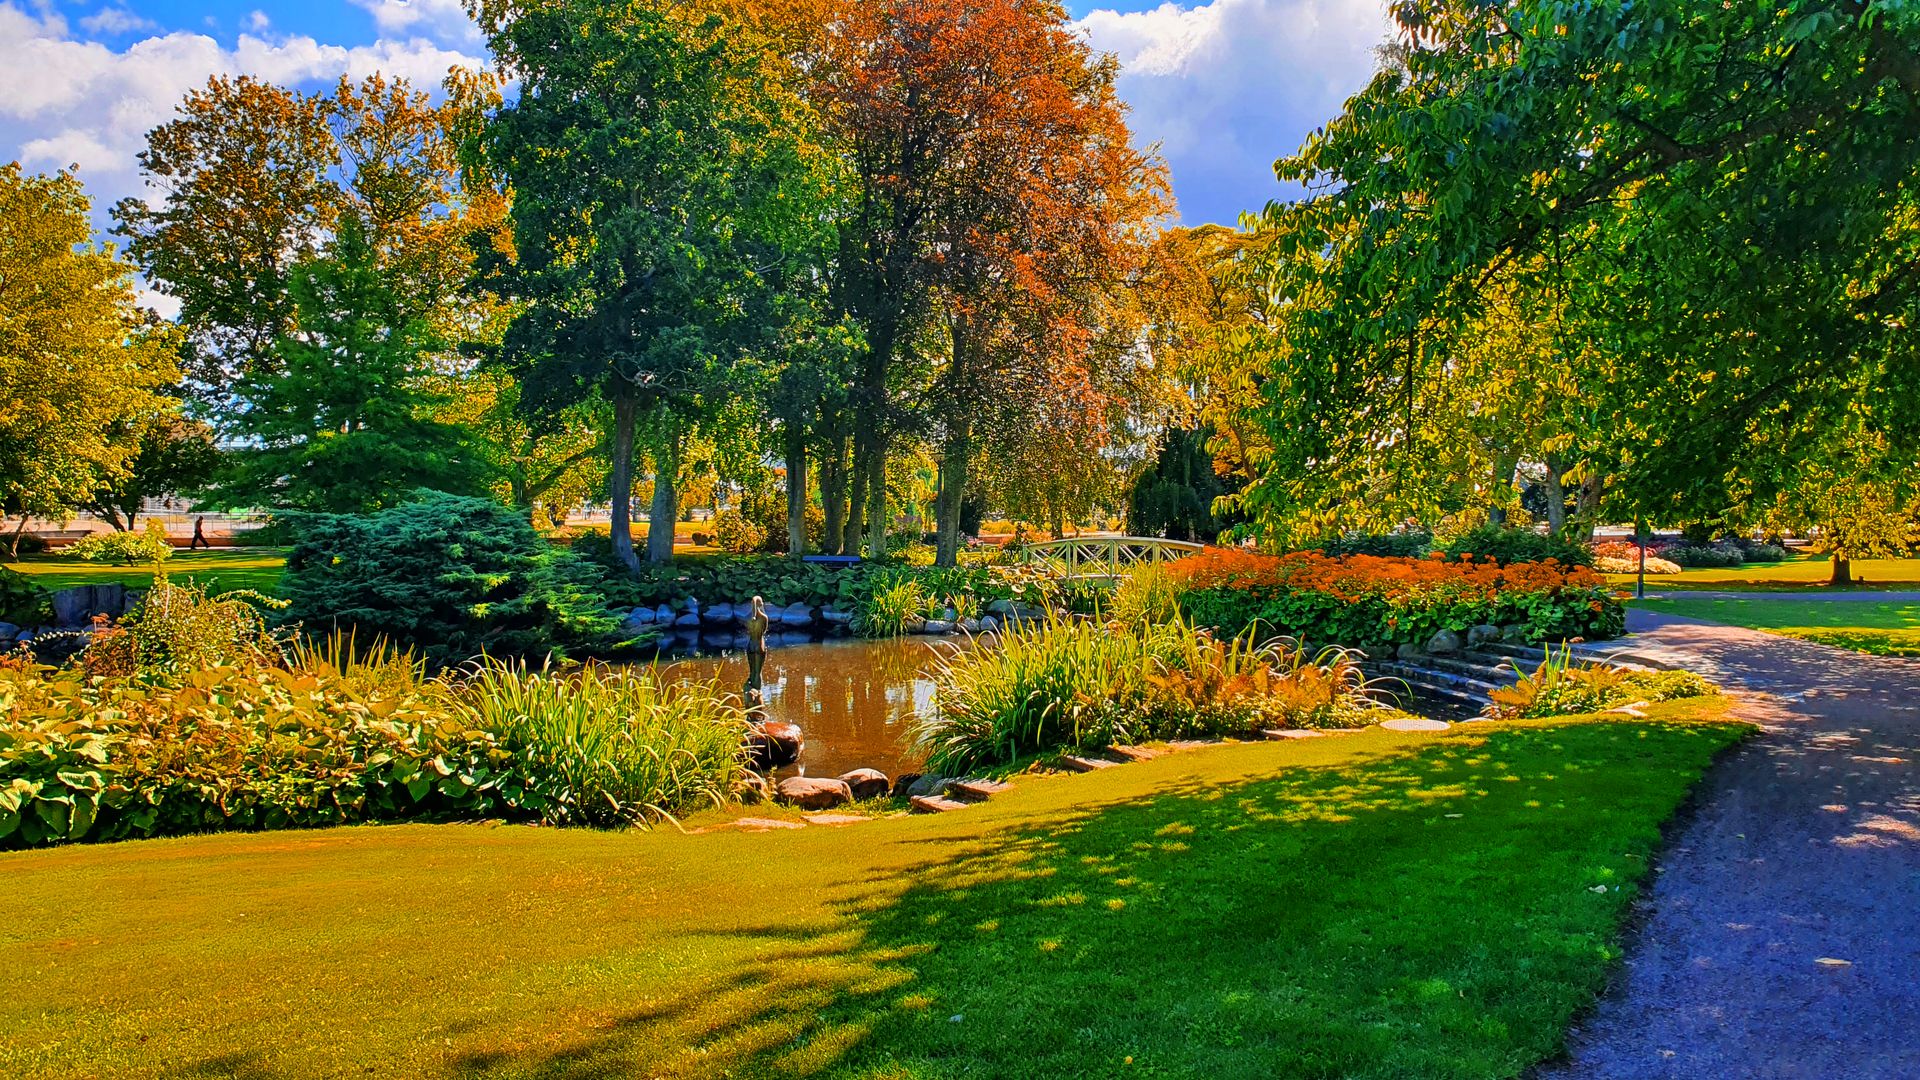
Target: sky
[(1222, 87)]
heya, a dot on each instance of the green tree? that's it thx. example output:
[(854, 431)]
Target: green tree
[(1716, 202), (344, 420), (661, 182), (79, 360), (173, 454)]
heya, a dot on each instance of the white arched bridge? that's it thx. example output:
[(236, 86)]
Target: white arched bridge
[(1104, 556)]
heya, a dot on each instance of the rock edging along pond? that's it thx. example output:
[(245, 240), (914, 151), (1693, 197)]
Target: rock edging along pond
[(693, 617)]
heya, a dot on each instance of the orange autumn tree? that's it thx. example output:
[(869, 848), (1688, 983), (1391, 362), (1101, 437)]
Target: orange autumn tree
[(996, 192)]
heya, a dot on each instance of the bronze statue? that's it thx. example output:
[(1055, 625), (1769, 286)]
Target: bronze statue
[(756, 650)]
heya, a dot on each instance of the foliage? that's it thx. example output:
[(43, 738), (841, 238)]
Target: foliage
[(1711, 301), (1076, 684), (1507, 546), (451, 576), (1703, 556), (735, 534), (1403, 544), (1365, 600), (174, 455), (177, 629), (342, 422), (80, 363), (22, 602), (150, 545), (1147, 594), (1620, 564), (340, 737), (891, 608), (1560, 687), (1174, 497), (609, 746)]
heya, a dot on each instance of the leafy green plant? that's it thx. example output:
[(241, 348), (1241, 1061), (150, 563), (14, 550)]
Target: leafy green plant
[(1507, 546), (21, 601), (177, 627), (891, 609), (1560, 687), (737, 534), (1146, 594), (1408, 544), (146, 546)]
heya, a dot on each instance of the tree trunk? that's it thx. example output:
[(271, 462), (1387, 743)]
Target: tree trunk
[(1587, 509), (620, 483), (877, 498), (856, 502), (1502, 487), (796, 488), (1842, 571), (665, 509), (1556, 496), (833, 490), (13, 549), (953, 487)]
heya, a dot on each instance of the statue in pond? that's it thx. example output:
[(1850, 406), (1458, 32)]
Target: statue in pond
[(756, 651)]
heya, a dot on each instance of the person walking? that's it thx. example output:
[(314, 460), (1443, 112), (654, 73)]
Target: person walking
[(199, 534)]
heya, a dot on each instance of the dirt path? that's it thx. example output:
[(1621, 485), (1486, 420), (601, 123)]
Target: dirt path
[(1804, 850)]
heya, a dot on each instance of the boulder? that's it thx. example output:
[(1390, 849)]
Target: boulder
[(969, 626), (989, 624), (936, 626), (797, 615), (814, 793), (1407, 651), (1516, 635), (914, 624), (1000, 607), (1445, 643), (9, 633), (835, 618), (720, 614), (926, 785), (773, 743), (904, 781), (689, 619), (1482, 634), (73, 607), (637, 620), (663, 615), (866, 783)]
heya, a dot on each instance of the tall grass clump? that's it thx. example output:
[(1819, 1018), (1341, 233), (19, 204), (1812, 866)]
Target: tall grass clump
[(1147, 594), (1561, 687), (609, 746), (1070, 684), (891, 609)]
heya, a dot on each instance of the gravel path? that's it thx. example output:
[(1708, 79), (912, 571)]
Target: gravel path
[(1804, 849)]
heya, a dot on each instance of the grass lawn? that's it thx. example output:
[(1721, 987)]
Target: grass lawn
[(1881, 628), (227, 568), (1797, 573), (1375, 905)]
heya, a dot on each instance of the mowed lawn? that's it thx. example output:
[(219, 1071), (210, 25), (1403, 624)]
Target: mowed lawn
[(222, 569), (1801, 572), (1884, 628), (1371, 905)]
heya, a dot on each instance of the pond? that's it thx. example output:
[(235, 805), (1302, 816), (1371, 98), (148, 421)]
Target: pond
[(854, 700)]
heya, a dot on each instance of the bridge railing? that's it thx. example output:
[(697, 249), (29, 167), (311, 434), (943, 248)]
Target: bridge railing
[(1105, 556)]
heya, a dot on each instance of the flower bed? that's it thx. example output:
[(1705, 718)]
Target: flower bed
[(1368, 600)]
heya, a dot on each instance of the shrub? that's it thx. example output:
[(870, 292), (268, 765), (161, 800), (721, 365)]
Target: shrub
[(1764, 551), (1507, 546), (178, 628), (1407, 544), (736, 535), (1560, 687), (1607, 564), (27, 543), (146, 546), (1703, 557), (1079, 684), (1147, 594), (1361, 599), (891, 609), (451, 576), (22, 602)]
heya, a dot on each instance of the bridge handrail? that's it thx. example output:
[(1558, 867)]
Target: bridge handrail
[(1106, 555)]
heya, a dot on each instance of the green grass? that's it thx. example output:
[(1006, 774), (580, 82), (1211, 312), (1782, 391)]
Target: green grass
[(1881, 628), (256, 568), (1372, 905), (1798, 573)]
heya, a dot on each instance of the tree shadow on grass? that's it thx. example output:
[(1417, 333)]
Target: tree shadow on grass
[(1435, 914)]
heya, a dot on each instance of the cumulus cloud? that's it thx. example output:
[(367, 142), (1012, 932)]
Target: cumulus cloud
[(116, 20), (69, 101), (1227, 87), (442, 20)]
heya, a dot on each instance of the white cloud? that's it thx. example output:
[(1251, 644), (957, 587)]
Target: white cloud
[(1227, 87), (65, 100), (116, 20), (258, 22), (442, 20)]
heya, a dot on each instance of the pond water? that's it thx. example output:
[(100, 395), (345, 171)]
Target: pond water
[(854, 700)]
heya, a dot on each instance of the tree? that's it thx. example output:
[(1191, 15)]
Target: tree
[(1717, 202), (173, 454), (344, 421), (660, 180), (78, 359)]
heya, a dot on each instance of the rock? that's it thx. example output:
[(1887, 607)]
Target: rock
[(1407, 651), (814, 793), (110, 599), (1482, 634), (1516, 635), (73, 607), (720, 614), (1075, 763), (904, 781), (969, 626), (1445, 643), (774, 743), (689, 619), (914, 624), (936, 626), (976, 790), (989, 624), (637, 620), (835, 618), (797, 615), (1414, 723), (1000, 607), (947, 614), (927, 785), (663, 615), (9, 633), (935, 804), (866, 783)]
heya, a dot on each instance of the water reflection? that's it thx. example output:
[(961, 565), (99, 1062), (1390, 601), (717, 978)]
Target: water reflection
[(855, 700)]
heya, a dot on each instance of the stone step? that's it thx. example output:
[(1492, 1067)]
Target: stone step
[(1491, 669), (1134, 753), (1617, 653), (936, 804), (1292, 733), (975, 790), (1075, 763), (1418, 673)]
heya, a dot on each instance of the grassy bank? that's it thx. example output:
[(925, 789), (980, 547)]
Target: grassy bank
[(1881, 628), (1802, 572), (228, 568), (1367, 905)]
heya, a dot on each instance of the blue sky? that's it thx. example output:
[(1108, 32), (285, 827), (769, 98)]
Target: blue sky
[(1222, 86)]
